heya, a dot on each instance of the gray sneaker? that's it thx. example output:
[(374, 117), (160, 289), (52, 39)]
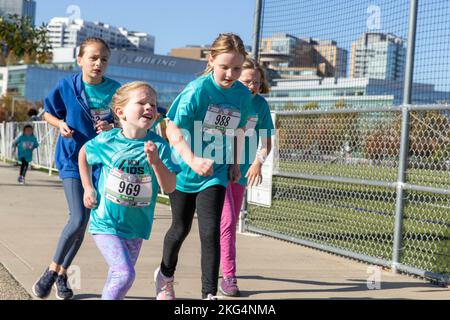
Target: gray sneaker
[(164, 286)]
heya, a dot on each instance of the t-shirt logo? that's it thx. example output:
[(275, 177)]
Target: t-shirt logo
[(27, 145)]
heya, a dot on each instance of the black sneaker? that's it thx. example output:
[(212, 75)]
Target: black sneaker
[(43, 286), (63, 292)]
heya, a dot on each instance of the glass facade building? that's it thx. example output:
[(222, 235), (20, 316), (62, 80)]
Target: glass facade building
[(355, 93), (23, 8), (168, 75)]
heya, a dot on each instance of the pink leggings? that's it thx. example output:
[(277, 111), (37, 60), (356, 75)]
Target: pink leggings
[(230, 214)]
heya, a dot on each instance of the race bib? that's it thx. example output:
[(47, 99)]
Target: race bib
[(221, 120), (100, 114), (251, 123), (129, 190)]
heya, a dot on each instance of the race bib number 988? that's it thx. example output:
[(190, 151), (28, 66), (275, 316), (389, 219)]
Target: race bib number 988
[(221, 120)]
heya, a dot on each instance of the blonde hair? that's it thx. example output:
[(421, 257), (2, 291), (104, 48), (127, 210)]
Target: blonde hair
[(225, 43), (249, 63), (122, 95)]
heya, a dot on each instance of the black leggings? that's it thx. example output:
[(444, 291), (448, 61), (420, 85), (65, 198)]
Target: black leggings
[(23, 167), (209, 204)]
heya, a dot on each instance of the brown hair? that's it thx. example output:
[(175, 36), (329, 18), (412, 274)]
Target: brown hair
[(89, 41), (249, 63), (224, 43), (122, 95)]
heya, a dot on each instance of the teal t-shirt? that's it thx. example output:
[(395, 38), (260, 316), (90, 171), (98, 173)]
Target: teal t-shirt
[(25, 146), (259, 125), (99, 97), (127, 187), (208, 115)]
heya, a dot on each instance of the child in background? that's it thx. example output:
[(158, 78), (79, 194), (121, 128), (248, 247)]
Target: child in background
[(25, 144), (259, 125), (134, 162)]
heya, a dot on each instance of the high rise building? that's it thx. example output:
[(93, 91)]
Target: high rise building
[(378, 56), (288, 54), (23, 8), (331, 60), (69, 33)]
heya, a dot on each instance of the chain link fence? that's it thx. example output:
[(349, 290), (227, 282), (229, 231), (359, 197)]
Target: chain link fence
[(362, 152)]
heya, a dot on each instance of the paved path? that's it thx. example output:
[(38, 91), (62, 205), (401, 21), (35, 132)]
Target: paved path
[(32, 217)]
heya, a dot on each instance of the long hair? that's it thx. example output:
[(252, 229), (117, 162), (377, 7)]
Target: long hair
[(249, 63)]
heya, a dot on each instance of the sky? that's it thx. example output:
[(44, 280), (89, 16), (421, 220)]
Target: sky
[(174, 23), (177, 23)]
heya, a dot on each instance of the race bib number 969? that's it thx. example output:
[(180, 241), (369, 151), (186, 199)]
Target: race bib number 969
[(128, 190)]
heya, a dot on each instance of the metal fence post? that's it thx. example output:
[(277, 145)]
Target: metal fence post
[(3, 146), (257, 29), (242, 228), (404, 142)]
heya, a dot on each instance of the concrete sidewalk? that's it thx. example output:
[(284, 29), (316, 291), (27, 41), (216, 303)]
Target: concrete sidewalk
[(32, 217)]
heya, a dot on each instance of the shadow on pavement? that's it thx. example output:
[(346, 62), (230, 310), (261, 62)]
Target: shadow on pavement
[(353, 286)]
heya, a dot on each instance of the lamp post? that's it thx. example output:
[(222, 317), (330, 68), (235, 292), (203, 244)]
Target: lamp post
[(14, 99)]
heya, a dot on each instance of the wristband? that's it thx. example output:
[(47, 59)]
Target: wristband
[(261, 158)]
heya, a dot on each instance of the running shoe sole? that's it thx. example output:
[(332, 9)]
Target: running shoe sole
[(35, 294)]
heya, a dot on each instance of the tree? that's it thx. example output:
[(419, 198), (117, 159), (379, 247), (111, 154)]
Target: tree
[(337, 130), (21, 107), (21, 41)]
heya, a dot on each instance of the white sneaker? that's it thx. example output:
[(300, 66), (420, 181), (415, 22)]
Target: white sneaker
[(164, 286), (210, 296)]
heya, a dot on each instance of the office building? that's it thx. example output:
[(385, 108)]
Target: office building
[(70, 33), (23, 8), (378, 56)]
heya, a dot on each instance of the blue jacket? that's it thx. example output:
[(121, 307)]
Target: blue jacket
[(67, 101)]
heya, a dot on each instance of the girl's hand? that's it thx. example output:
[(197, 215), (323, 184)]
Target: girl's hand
[(90, 198), (102, 125), (151, 151), (64, 129), (234, 173), (202, 166), (254, 175)]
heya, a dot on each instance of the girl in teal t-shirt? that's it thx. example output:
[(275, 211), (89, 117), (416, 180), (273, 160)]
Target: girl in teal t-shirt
[(259, 126), (25, 145), (203, 123), (135, 161)]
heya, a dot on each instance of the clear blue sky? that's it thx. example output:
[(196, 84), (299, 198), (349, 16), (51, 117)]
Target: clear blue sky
[(174, 23)]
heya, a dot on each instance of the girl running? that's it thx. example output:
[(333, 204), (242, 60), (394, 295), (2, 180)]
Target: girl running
[(25, 144), (134, 162), (259, 125), (79, 107), (204, 120)]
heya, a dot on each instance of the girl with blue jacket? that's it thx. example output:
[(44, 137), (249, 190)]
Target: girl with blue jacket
[(79, 107)]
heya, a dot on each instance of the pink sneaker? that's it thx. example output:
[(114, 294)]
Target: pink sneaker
[(229, 287), (164, 286)]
